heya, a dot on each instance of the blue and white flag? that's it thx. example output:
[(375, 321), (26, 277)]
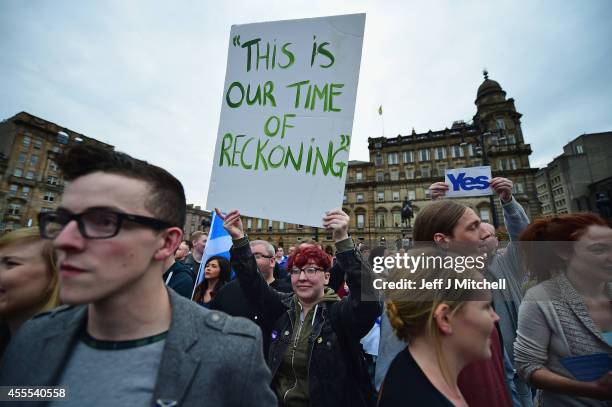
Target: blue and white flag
[(219, 244)]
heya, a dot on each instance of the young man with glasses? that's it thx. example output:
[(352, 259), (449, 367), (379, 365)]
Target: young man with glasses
[(126, 339)]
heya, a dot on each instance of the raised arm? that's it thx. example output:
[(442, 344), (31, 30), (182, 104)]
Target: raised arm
[(267, 300), (359, 310)]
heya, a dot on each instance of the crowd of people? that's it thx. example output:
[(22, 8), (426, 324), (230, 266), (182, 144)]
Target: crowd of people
[(102, 298)]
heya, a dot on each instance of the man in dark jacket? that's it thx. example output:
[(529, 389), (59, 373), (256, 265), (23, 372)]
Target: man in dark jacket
[(315, 355), (178, 277), (232, 300)]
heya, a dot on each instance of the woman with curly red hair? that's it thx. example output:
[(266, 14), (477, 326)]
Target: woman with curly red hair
[(567, 318), (315, 355)]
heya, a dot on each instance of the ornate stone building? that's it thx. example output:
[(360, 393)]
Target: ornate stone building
[(405, 166), (30, 181)]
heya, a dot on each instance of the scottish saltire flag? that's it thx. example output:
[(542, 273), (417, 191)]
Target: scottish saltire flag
[(218, 244)]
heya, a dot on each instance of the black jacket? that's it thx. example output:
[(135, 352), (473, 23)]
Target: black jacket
[(181, 280), (336, 374), (231, 300)]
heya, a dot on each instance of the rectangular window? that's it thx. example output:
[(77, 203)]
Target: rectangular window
[(485, 214), (33, 159), (62, 137), (259, 224), (380, 176), (14, 209), (378, 161), (30, 175), (360, 221), (49, 196), (425, 172), (281, 225), (441, 170), (511, 139), (270, 225), (392, 158), (51, 180), (411, 195), (52, 165), (397, 219), (25, 191), (396, 196), (457, 151), (440, 153), (21, 158), (300, 226), (519, 188), (344, 199), (381, 196), (45, 209), (579, 149), (513, 163), (37, 144), (380, 220), (249, 224), (424, 154), (359, 176), (13, 189), (408, 157), (410, 174), (18, 172), (27, 140), (359, 197), (394, 175), (501, 124)]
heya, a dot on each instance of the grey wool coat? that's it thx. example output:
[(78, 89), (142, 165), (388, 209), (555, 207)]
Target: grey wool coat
[(209, 358)]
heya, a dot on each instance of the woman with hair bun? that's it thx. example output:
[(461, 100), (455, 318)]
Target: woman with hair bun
[(569, 313), (446, 328)]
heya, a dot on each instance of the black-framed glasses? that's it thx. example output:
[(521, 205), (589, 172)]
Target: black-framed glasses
[(261, 256), (310, 271), (94, 223)]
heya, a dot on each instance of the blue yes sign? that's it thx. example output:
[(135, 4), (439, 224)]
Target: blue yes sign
[(473, 181)]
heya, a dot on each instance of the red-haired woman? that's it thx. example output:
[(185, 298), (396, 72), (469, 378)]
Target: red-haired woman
[(569, 313), (315, 354)]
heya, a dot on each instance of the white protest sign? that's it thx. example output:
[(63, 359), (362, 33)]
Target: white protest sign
[(287, 118), (473, 181)]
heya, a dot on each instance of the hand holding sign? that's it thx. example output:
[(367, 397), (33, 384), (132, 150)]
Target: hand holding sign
[(438, 190), (473, 181), (503, 188), (337, 222)]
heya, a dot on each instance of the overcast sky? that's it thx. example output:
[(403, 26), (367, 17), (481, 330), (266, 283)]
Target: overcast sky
[(147, 76)]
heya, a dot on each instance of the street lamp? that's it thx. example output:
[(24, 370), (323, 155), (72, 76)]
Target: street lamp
[(481, 149)]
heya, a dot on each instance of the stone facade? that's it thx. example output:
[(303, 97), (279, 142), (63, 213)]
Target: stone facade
[(577, 180), (30, 181)]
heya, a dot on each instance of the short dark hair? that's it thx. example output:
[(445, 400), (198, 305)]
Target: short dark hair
[(166, 200)]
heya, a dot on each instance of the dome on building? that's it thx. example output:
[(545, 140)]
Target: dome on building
[(488, 87)]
